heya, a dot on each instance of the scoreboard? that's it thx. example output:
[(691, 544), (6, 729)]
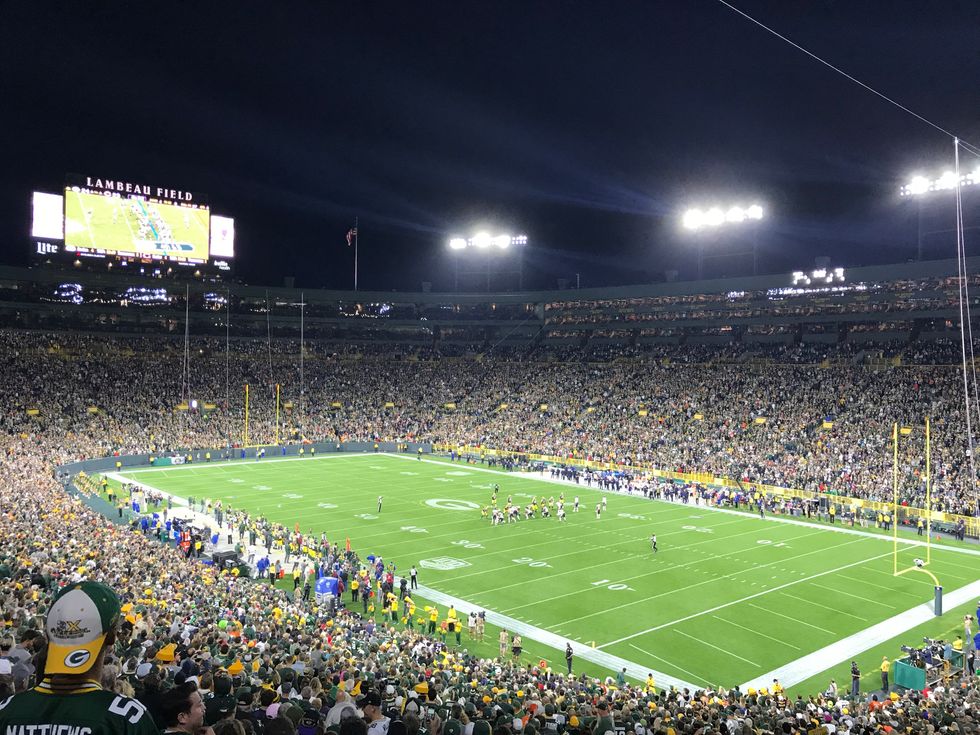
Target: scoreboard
[(130, 221)]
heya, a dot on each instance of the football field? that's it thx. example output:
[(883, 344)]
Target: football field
[(727, 598)]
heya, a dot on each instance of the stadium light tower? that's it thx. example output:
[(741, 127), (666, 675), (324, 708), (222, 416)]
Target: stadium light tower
[(920, 187), (490, 245), (720, 218)]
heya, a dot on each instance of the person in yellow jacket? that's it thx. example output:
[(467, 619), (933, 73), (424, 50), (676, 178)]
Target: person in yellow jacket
[(454, 626), (651, 685), (354, 585), (885, 665), (433, 619)]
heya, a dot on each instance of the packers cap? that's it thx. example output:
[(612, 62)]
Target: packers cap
[(80, 618)]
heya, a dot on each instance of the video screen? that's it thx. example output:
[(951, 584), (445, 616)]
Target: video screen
[(48, 220), (117, 224), (222, 236)]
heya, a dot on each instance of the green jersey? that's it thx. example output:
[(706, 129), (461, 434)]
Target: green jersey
[(89, 710)]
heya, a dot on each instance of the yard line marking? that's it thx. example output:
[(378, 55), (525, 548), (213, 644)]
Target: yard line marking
[(879, 586), (744, 599), (549, 638), (694, 676), (751, 630), (795, 620), (858, 597), (717, 648), (848, 648), (579, 550), (714, 509), (808, 601), (715, 579), (660, 568)]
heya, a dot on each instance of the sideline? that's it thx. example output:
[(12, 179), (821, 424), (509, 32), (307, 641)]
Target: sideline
[(248, 461), (594, 655), (769, 518), (813, 663)]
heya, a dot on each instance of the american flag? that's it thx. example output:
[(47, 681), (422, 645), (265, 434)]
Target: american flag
[(351, 234)]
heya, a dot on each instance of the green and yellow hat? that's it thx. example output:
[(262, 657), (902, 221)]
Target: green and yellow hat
[(80, 618)]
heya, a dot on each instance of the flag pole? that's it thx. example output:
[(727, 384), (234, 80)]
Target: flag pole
[(355, 253)]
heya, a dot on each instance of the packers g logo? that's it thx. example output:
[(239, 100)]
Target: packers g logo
[(451, 504), (77, 658)]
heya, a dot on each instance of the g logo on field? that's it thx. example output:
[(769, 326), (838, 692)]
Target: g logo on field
[(77, 658), (451, 504)]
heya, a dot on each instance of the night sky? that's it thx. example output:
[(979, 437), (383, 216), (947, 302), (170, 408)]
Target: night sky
[(588, 125)]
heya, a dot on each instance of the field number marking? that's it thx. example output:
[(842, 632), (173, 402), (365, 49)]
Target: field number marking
[(633, 516), (767, 542), (615, 587), (536, 563), (326, 506), (366, 516), (292, 496), (467, 544), (414, 529), (699, 529)]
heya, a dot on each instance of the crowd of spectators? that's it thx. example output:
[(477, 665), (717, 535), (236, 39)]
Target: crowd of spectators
[(283, 664), (697, 409)]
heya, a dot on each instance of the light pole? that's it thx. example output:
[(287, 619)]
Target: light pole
[(717, 218), (919, 187), (490, 246)]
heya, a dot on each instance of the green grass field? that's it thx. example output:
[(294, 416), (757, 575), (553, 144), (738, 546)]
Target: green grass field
[(108, 223), (728, 597)]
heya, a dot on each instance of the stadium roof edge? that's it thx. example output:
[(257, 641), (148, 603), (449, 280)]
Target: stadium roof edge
[(897, 271)]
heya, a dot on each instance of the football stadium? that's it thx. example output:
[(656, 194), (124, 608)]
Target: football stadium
[(721, 496)]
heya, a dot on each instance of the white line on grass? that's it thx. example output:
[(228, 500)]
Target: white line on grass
[(780, 641), (858, 597), (787, 617), (712, 645), (661, 567), (549, 638), (834, 610), (736, 602), (578, 550), (694, 676), (879, 586), (711, 580), (847, 648), (713, 509)]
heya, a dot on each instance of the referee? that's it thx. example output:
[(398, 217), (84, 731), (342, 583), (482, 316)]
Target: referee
[(653, 542)]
